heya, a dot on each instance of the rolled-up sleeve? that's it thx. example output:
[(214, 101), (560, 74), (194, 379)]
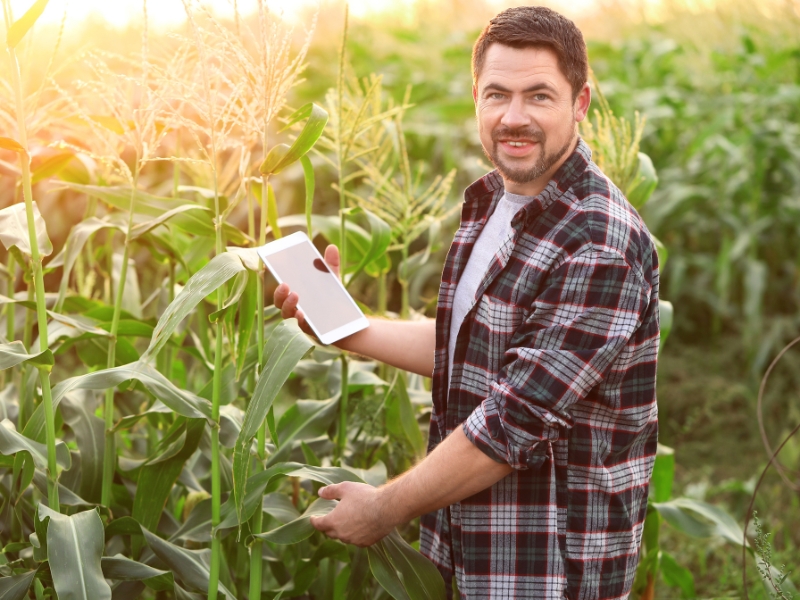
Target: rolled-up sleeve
[(578, 324)]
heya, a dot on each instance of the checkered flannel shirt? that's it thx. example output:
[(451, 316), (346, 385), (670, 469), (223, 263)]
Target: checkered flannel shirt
[(554, 374)]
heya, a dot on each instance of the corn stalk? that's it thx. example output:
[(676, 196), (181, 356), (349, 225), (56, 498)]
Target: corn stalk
[(36, 258)]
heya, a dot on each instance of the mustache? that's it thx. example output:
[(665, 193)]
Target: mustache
[(517, 133)]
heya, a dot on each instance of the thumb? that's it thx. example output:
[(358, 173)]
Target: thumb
[(332, 258)]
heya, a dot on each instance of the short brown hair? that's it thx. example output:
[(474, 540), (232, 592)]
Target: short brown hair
[(536, 26)]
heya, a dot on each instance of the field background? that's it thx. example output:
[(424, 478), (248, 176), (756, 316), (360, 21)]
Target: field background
[(719, 86)]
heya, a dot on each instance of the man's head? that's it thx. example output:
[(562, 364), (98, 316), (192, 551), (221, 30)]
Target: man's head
[(529, 84)]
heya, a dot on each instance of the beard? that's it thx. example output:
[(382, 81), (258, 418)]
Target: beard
[(522, 174)]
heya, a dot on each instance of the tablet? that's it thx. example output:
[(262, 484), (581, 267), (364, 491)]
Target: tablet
[(329, 309)]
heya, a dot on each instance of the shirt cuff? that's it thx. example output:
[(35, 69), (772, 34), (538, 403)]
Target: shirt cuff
[(485, 429)]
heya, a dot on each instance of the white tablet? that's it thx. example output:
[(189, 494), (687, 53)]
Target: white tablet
[(329, 309)]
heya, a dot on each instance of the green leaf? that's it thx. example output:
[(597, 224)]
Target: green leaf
[(195, 222), (675, 575), (12, 442), (663, 474), (196, 226), (683, 513), (286, 345), (301, 528), (218, 271), (76, 240), (16, 587), (380, 236), (74, 549), (14, 353), (13, 145), (307, 419), (181, 401), (645, 184), (421, 578), (191, 567), (272, 212), (662, 252), (400, 419), (248, 307), (157, 477), (14, 230), (22, 25), (384, 572), (121, 568), (279, 506), (665, 316), (50, 166), (282, 156), (78, 411), (308, 179)]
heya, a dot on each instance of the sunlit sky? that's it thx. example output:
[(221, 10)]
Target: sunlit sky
[(167, 13)]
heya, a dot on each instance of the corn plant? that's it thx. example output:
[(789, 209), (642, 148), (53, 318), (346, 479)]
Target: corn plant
[(208, 489)]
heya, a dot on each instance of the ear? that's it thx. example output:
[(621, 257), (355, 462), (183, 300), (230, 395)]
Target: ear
[(475, 93), (582, 102)]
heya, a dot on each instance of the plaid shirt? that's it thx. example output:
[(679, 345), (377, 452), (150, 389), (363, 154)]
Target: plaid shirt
[(555, 374)]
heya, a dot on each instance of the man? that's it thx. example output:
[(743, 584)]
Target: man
[(543, 350)]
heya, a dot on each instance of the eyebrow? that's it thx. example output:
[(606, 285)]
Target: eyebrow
[(534, 88)]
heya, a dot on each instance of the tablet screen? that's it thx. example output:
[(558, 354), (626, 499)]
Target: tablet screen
[(323, 301)]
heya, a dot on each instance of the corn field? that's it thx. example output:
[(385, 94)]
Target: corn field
[(164, 432)]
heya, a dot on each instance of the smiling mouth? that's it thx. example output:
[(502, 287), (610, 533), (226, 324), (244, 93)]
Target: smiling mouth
[(517, 144)]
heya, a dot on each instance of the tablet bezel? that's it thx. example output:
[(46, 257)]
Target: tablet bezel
[(296, 239)]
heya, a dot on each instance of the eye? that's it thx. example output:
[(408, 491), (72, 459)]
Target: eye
[(495, 96), (540, 97)]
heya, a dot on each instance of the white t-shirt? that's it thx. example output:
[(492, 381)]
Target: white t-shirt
[(494, 234)]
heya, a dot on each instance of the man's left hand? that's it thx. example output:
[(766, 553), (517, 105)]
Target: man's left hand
[(359, 518)]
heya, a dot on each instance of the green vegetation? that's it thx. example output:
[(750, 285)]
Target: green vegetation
[(180, 403)]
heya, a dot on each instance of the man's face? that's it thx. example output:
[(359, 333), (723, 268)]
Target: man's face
[(526, 115)]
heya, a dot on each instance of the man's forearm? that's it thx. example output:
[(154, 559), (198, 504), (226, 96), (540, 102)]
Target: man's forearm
[(455, 470), (407, 345)]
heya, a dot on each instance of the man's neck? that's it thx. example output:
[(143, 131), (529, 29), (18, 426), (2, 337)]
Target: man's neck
[(535, 187)]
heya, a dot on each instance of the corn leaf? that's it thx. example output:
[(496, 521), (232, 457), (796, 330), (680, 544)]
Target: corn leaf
[(16, 587), (181, 401), (22, 25), (120, 568), (191, 567), (308, 179), (78, 236), (421, 579), (282, 156), (286, 345), (380, 236), (74, 549), (12, 442), (14, 230), (78, 412), (13, 145), (301, 528), (307, 419), (14, 353), (157, 477), (400, 419), (218, 271)]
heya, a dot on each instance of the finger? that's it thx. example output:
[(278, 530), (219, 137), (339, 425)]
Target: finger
[(301, 322), (332, 258), (280, 295), (289, 307), (331, 492), (321, 524)]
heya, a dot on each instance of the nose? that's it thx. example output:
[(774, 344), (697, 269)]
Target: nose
[(515, 115)]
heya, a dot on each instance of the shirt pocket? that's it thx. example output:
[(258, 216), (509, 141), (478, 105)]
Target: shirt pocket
[(495, 323)]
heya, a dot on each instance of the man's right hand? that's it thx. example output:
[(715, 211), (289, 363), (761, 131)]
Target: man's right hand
[(408, 345)]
